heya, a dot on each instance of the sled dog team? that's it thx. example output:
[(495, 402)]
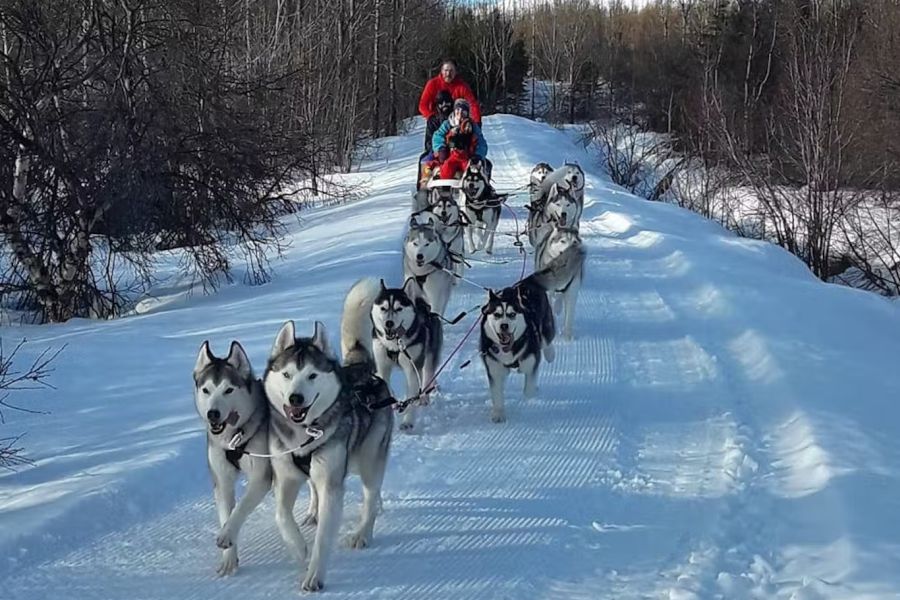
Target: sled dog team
[(313, 418)]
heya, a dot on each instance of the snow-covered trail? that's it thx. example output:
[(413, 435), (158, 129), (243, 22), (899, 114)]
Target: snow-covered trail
[(724, 425)]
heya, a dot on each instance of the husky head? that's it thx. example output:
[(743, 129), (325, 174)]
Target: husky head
[(447, 212), (503, 317), (561, 206), (223, 388), (539, 173), (423, 245), (394, 310), (424, 218), (560, 240), (573, 177), (474, 183), (440, 192), (302, 378)]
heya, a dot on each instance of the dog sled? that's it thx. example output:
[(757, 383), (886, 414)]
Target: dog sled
[(431, 176)]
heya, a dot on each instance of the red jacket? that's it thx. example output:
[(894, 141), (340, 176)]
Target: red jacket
[(457, 88)]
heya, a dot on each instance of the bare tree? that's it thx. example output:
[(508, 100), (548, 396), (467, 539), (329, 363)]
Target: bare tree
[(14, 377)]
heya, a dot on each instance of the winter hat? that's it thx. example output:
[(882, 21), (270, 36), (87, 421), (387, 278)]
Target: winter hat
[(461, 103)]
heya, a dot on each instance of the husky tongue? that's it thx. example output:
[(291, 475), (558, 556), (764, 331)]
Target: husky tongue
[(505, 340), (233, 418), (295, 413)]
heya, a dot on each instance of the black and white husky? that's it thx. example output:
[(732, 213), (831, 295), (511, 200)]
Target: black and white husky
[(322, 427), (427, 260), (233, 404), (481, 208), (559, 262), (406, 334), (517, 325)]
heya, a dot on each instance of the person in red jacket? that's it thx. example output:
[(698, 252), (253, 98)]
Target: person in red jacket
[(448, 79)]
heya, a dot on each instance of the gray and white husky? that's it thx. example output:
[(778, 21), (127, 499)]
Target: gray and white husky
[(536, 199), (517, 325), (322, 427), (564, 185), (569, 176), (409, 335), (233, 404), (447, 219), (562, 208), (559, 263), (481, 208), (427, 260)]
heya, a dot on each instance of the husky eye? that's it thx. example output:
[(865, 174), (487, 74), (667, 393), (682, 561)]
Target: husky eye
[(229, 390), (205, 390), (312, 376), (286, 374)]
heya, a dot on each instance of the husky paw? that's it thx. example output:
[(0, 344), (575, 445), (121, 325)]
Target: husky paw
[(498, 416), (225, 540), (312, 582), (357, 541), (549, 353), (229, 563), (404, 426)]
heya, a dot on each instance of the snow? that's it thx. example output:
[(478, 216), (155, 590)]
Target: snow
[(723, 426)]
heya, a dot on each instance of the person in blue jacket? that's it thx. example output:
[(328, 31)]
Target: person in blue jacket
[(458, 140)]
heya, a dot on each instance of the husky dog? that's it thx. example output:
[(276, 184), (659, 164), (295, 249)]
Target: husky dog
[(441, 192), (481, 207), (538, 174), (547, 185), (516, 325), (451, 226), (322, 426), (536, 199), (407, 334), (569, 176), (426, 259), (559, 265), (562, 208), (233, 404)]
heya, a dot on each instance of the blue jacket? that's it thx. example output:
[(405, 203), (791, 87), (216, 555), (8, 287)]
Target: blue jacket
[(439, 139)]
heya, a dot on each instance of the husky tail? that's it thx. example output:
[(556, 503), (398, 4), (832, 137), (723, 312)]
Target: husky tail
[(356, 326)]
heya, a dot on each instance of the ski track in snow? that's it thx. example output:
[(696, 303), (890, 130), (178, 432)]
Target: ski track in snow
[(721, 427)]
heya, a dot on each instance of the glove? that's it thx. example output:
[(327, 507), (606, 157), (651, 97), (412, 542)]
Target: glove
[(443, 154)]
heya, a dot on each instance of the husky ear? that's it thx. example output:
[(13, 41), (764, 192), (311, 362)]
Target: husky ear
[(320, 338), (383, 287), (492, 297), (204, 358), (284, 339), (237, 358)]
